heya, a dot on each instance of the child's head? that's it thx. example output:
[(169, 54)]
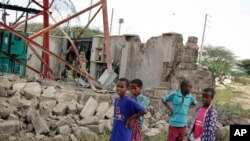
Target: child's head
[(122, 86), (186, 87), (136, 87), (207, 96)]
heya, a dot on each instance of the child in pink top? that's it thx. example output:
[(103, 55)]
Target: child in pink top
[(204, 124)]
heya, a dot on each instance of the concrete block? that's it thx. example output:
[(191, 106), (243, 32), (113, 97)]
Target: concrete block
[(110, 113), (60, 109), (10, 127), (107, 78), (102, 109), (89, 108), (32, 90), (65, 130)]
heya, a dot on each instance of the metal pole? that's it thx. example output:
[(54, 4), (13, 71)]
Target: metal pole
[(106, 35), (203, 36), (46, 35)]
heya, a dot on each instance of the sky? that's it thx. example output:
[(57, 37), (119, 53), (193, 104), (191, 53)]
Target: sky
[(228, 22)]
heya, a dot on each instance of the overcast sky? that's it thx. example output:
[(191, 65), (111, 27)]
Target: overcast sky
[(228, 24)]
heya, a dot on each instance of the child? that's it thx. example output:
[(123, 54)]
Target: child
[(125, 110), (136, 90), (180, 100), (204, 123)]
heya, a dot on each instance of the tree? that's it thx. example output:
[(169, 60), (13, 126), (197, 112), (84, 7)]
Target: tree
[(244, 65), (220, 62)]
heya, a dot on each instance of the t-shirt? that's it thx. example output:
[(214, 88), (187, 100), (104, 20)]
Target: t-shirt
[(143, 101), (198, 126), (180, 110), (123, 109)]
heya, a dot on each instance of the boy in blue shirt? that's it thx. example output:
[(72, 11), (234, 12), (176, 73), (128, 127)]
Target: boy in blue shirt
[(125, 110), (136, 90), (180, 100)]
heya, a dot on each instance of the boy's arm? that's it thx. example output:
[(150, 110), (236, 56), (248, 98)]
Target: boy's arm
[(193, 103), (135, 116), (166, 100)]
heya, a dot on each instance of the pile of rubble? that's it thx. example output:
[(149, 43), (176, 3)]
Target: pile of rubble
[(31, 110)]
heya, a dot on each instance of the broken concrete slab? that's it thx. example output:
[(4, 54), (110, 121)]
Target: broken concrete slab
[(59, 138), (65, 120), (15, 101), (89, 121), (72, 109), (89, 108), (102, 109), (38, 123), (60, 109), (110, 113), (64, 130), (18, 86), (67, 97), (4, 112), (26, 103), (48, 103), (10, 127), (3, 92), (79, 108), (5, 83), (84, 133), (13, 117), (73, 137), (99, 129), (32, 90), (107, 78), (49, 93)]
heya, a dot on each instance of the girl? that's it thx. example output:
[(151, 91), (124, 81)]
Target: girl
[(204, 124)]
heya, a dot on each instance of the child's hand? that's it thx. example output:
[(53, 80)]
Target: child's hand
[(128, 123), (170, 112)]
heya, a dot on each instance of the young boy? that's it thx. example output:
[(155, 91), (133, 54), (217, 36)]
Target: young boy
[(136, 90), (125, 110), (204, 124), (180, 100)]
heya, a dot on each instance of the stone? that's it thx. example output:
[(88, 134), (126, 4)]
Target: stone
[(18, 86), (32, 90), (13, 117), (4, 112), (85, 134), (149, 136), (3, 92), (147, 115), (65, 120), (29, 135), (30, 127), (48, 104), (49, 93), (107, 124), (65, 130), (45, 112), (10, 127), (40, 137), (11, 138), (59, 138), (39, 124), (72, 109), (79, 107), (110, 113), (60, 109), (89, 121), (99, 129), (222, 133), (15, 101), (66, 97), (73, 137), (102, 109), (5, 83), (26, 103), (89, 108)]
